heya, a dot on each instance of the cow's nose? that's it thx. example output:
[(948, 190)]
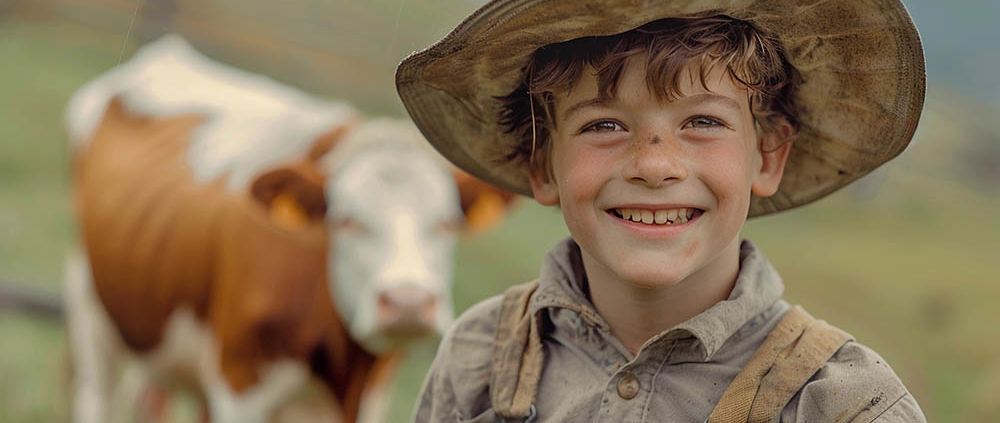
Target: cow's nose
[(406, 310)]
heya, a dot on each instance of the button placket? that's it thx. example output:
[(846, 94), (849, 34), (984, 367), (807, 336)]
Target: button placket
[(622, 400), (628, 386)]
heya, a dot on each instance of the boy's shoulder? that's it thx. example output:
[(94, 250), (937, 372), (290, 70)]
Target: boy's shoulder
[(854, 385), (460, 375), (475, 327), (467, 347)]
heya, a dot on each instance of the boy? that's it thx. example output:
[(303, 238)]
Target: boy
[(657, 128)]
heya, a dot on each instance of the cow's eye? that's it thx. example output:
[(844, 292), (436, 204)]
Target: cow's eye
[(348, 225)]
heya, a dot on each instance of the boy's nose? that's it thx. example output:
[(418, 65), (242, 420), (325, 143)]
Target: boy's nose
[(656, 160)]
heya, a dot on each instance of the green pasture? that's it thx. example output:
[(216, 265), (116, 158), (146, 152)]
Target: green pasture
[(907, 261)]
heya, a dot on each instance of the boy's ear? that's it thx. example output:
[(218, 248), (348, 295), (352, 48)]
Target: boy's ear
[(293, 195), (543, 188), (774, 148), (483, 204)]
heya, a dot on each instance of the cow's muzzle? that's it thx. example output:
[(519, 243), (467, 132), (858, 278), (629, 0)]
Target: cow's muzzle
[(407, 311)]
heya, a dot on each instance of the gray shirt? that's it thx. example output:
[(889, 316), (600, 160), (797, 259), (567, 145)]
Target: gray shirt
[(677, 376)]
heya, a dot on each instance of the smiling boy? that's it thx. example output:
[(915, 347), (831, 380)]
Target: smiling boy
[(657, 128), (682, 171)]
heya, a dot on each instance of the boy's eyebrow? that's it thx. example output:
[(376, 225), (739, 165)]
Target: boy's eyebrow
[(703, 98), (693, 100), (598, 101)]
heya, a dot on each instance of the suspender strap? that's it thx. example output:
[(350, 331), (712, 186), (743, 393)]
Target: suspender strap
[(794, 350), (517, 355)]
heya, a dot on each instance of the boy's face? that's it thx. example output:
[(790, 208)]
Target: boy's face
[(685, 169)]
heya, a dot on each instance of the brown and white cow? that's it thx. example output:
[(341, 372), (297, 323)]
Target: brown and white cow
[(242, 237)]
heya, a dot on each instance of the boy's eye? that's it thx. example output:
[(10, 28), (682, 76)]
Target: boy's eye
[(603, 126), (703, 122)]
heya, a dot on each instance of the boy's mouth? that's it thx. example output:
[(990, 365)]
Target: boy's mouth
[(665, 217)]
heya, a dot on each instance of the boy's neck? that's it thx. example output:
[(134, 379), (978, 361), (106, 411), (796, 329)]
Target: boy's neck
[(636, 314)]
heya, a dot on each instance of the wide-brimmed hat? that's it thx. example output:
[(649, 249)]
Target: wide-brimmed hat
[(859, 102)]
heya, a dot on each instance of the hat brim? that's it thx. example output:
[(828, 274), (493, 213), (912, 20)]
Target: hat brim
[(859, 103)]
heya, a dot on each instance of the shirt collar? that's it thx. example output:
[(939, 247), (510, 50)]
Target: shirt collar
[(563, 283)]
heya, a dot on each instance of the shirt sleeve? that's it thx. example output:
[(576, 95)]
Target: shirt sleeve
[(856, 385), (905, 410), (436, 402), (457, 385)]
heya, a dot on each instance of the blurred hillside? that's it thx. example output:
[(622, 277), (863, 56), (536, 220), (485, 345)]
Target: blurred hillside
[(342, 49), (348, 48), (905, 259)]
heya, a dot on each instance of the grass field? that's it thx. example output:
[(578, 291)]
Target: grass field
[(907, 262)]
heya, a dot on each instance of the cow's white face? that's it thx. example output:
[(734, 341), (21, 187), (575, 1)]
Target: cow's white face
[(394, 217)]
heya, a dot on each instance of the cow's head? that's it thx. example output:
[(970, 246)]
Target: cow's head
[(393, 210)]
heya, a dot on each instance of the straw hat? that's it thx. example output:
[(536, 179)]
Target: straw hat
[(861, 62)]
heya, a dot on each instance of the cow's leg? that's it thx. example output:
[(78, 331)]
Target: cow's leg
[(134, 381), (375, 400), (92, 344), (154, 404), (315, 403), (254, 404), (374, 404)]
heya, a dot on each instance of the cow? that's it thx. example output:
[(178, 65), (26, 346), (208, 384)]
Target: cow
[(243, 238)]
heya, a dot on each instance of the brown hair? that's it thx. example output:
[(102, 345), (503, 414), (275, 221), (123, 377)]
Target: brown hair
[(750, 56)]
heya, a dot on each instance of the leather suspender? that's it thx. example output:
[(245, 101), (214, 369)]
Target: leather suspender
[(790, 355)]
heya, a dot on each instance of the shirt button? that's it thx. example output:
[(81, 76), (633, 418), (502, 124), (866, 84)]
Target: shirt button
[(628, 386)]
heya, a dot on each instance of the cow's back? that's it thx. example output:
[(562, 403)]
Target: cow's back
[(149, 229)]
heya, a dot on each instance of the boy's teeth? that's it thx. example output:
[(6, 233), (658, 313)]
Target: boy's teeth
[(681, 216), (661, 217), (657, 217), (647, 217)]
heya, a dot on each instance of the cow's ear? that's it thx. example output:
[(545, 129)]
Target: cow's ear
[(293, 195), (326, 141), (483, 204)]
